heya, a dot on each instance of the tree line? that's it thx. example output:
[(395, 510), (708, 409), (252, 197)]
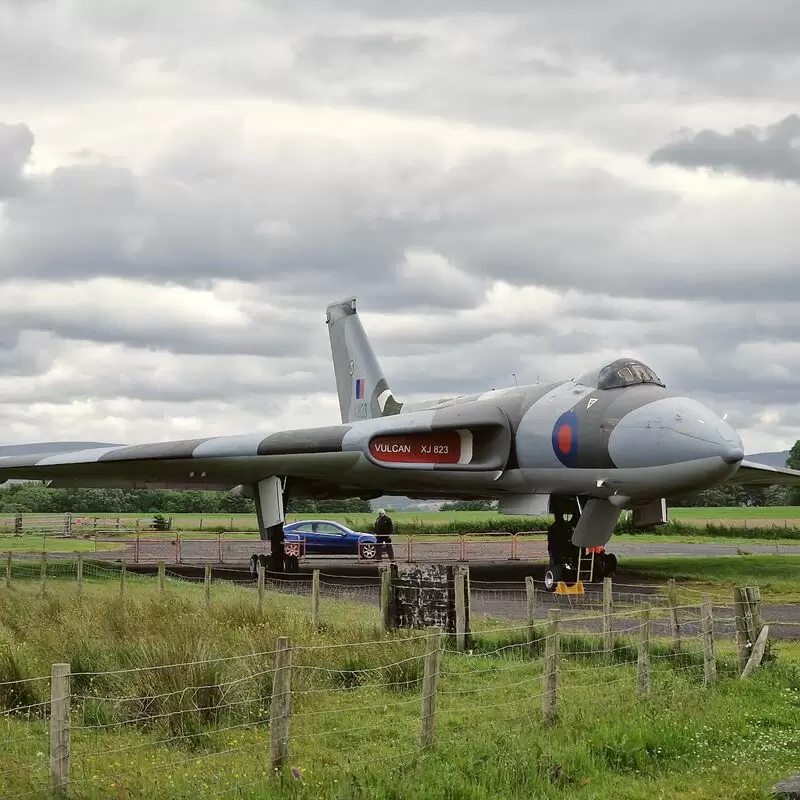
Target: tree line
[(34, 498)]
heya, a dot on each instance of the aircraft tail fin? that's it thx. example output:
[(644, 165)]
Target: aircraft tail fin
[(360, 382)]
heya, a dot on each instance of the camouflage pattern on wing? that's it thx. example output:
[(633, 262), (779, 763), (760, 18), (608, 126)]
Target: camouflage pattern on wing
[(208, 463)]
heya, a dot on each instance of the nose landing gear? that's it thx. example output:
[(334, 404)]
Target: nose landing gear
[(570, 564)]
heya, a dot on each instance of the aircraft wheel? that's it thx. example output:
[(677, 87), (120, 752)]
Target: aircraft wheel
[(292, 564), (609, 564), (369, 551), (552, 577)]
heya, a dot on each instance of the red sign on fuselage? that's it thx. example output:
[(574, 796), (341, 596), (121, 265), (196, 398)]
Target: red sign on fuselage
[(418, 448)]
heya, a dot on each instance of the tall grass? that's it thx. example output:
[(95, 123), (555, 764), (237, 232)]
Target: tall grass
[(196, 710)]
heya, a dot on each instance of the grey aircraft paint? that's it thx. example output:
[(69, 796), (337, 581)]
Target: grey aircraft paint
[(615, 434)]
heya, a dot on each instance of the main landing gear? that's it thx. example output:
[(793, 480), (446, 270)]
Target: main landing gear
[(570, 564), (268, 494)]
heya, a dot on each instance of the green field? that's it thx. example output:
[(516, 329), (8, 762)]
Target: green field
[(51, 544), (737, 513), (152, 733), (778, 576)]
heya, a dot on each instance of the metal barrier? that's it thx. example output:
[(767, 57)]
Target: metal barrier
[(472, 550), (37, 524), (223, 548)]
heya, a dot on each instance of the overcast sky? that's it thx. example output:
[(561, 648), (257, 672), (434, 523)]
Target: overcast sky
[(519, 187)]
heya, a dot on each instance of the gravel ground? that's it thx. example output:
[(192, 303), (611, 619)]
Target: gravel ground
[(497, 580)]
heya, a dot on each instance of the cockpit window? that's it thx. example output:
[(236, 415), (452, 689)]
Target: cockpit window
[(626, 372)]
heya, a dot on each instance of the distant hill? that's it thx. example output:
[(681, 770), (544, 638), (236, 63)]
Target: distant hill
[(770, 459), (405, 504)]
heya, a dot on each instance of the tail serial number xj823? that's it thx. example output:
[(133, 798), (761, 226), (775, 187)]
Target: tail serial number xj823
[(585, 448)]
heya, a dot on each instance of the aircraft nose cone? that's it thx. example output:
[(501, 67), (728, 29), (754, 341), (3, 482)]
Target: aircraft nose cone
[(673, 430), (733, 455)]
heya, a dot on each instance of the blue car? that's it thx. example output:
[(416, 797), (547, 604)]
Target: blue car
[(319, 537)]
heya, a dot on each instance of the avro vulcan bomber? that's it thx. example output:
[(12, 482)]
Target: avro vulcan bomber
[(613, 438)]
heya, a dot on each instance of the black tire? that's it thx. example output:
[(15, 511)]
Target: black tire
[(609, 564), (368, 551), (552, 576), (292, 564)]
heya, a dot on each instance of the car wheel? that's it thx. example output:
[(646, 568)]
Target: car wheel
[(552, 577), (369, 551)]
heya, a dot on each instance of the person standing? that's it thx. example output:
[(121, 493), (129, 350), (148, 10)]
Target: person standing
[(384, 528)]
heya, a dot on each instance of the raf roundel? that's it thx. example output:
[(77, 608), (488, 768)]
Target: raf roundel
[(565, 438)]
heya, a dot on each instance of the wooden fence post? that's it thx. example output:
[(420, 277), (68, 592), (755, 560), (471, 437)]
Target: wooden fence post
[(530, 592), (672, 599), (461, 611), (751, 632), (315, 598), (122, 574), (207, 582), (43, 575), (386, 600), (59, 728), (550, 688), (281, 707), (608, 619), (260, 569), (743, 646), (753, 597), (709, 657), (433, 654), (79, 573), (161, 578), (643, 660), (8, 571)]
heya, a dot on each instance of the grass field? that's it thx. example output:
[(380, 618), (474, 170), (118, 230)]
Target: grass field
[(737, 513), (356, 710), (51, 544), (778, 576)]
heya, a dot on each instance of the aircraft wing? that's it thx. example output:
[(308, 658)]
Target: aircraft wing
[(209, 463), (477, 437), (752, 474)]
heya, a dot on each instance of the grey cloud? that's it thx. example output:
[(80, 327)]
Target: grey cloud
[(25, 353), (263, 336), (16, 145), (321, 51), (602, 60), (49, 54), (323, 215), (161, 378), (770, 153)]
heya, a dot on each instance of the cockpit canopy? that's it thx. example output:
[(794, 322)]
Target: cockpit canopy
[(620, 373)]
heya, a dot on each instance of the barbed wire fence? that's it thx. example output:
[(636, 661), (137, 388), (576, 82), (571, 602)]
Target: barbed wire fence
[(121, 730)]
